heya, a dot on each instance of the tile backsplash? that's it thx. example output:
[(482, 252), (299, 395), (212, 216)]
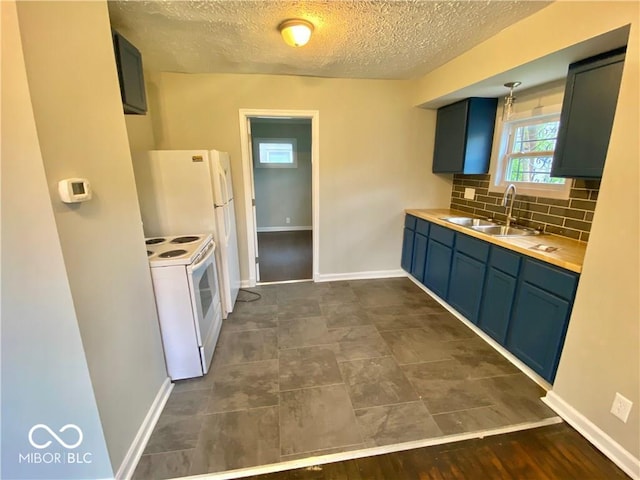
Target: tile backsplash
[(568, 218)]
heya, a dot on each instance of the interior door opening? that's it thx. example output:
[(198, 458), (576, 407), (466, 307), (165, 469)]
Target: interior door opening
[(280, 165)]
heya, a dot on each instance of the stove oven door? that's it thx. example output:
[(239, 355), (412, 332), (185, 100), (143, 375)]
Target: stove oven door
[(205, 298)]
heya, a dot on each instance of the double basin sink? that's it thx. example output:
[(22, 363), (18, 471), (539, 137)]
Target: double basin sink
[(491, 228)]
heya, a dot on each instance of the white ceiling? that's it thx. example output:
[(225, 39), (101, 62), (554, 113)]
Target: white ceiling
[(400, 39)]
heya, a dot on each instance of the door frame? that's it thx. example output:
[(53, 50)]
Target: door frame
[(247, 177)]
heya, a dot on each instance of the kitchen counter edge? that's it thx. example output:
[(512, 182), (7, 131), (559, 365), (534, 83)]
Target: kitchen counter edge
[(569, 253)]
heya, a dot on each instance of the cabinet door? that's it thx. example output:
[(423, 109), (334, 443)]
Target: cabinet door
[(407, 250), (497, 303), (419, 257), (588, 109), (537, 329), (130, 74), (464, 135), (451, 135), (436, 275), (466, 285)]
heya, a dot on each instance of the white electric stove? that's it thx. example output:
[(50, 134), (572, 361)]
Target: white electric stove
[(187, 293)]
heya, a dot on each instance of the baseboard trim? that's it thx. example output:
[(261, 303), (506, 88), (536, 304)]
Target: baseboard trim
[(499, 348), (247, 284), (334, 277), (286, 228), (131, 459), (609, 447), (369, 452), (603, 442)]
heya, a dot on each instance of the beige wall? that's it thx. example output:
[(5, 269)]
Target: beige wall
[(375, 153), (45, 378), (81, 129), (601, 355), (140, 128), (140, 132)]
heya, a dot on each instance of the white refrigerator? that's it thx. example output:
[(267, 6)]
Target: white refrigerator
[(185, 192)]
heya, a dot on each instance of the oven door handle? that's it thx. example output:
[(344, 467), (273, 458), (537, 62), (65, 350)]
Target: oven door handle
[(204, 256)]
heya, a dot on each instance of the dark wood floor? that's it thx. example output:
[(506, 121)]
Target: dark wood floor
[(285, 256), (556, 452)]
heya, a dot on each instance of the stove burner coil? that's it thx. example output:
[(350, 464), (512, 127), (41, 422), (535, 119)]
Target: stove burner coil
[(155, 241), (172, 253), (187, 239)]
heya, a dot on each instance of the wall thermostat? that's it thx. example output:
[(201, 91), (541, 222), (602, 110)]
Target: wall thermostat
[(74, 190)]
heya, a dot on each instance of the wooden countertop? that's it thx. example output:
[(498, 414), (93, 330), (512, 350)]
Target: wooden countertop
[(569, 253)]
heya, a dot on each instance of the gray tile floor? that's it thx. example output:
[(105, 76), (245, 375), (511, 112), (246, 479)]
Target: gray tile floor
[(312, 369)]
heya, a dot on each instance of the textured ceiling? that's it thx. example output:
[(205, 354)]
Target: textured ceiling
[(352, 38)]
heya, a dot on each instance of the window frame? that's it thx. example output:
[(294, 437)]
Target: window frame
[(263, 140), (501, 155)]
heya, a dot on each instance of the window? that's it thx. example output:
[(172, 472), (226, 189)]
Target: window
[(276, 153), (526, 154)]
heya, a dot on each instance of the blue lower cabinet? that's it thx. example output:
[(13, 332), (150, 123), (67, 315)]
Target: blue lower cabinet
[(522, 303), (419, 256), (497, 303), (438, 268), (407, 249), (466, 285), (537, 329)]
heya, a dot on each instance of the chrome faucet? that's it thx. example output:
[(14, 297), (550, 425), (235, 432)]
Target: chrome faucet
[(511, 188)]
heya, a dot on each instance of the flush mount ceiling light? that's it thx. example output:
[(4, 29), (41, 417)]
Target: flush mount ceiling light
[(296, 32), (507, 109)]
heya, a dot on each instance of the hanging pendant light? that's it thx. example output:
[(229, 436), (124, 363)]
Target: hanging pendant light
[(296, 32), (509, 100)]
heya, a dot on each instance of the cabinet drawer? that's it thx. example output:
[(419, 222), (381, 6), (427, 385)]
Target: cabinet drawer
[(442, 235), (561, 283), (474, 248), (410, 222), (422, 227), (505, 261)]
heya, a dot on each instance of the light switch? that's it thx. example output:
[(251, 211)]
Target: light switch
[(469, 193)]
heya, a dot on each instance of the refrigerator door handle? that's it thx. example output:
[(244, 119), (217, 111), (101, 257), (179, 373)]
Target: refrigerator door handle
[(227, 223), (223, 183), (227, 217)]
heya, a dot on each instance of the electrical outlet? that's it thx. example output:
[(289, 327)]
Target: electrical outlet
[(621, 407), (469, 193), (287, 220)]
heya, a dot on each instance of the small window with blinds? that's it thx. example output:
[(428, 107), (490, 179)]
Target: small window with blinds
[(276, 153)]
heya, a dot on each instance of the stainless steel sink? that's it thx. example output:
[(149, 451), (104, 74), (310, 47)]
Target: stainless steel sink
[(469, 222), (504, 231), (490, 228)]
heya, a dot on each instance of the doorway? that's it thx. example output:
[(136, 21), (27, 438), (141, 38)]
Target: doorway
[(280, 171)]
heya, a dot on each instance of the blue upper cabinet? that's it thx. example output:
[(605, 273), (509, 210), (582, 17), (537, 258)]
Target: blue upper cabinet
[(464, 135), (588, 109), (130, 75)]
